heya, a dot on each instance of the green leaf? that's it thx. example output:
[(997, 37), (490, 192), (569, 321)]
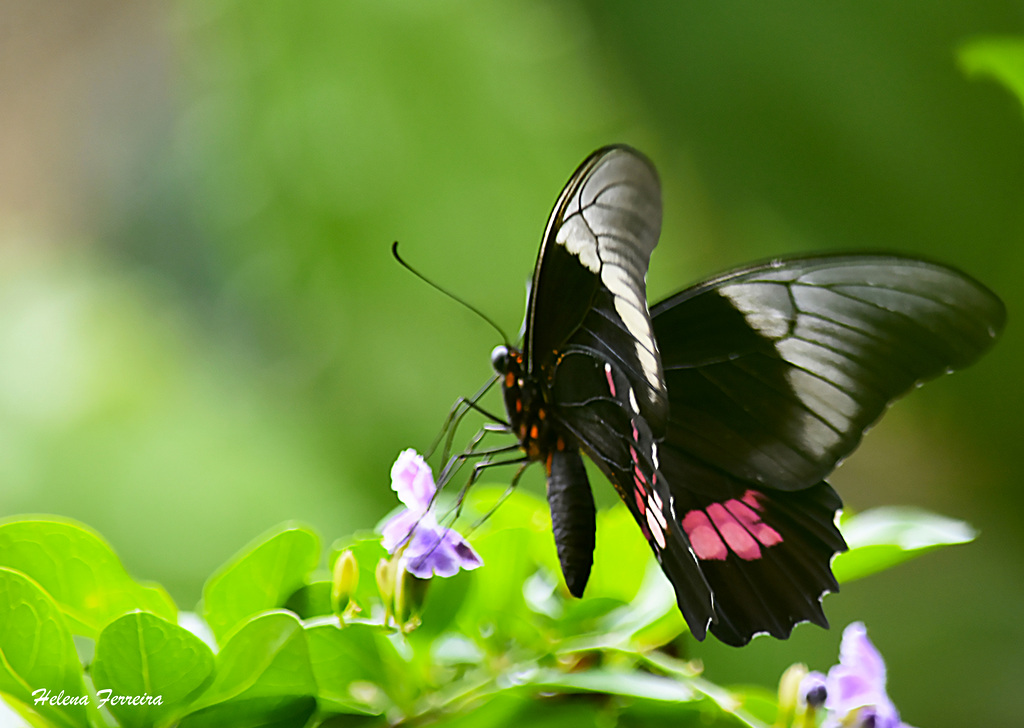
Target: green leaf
[(80, 571), (37, 652), (495, 605), (514, 542), (620, 557), (444, 599), (311, 600), (883, 537), (141, 654), (357, 668), (260, 577), (512, 709), (263, 672), (630, 683), (650, 620), (998, 58)]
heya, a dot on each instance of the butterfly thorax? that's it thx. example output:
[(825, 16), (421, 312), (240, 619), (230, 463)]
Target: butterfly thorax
[(528, 411)]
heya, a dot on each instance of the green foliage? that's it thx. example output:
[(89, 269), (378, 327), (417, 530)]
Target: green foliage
[(37, 648), (79, 571), (1000, 58), (143, 654), (501, 645), (260, 577), (883, 537)]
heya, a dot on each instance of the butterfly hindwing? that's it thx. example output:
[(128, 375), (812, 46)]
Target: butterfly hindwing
[(598, 408), (765, 553), (742, 559)]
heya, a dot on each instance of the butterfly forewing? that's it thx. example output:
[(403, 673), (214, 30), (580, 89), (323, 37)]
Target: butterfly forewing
[(588, 285), (775, 371)]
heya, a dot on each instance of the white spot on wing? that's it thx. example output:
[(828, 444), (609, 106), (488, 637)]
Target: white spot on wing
[(636, 319), (655, 527), (765, 306), (577, 238), (649, 362)]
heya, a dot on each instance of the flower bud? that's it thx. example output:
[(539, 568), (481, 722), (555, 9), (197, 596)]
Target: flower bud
[(410, 594), (386, 582), (789, 693), (344, 581)]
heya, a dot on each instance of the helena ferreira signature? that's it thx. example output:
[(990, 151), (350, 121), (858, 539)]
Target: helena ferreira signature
[(44, 696)]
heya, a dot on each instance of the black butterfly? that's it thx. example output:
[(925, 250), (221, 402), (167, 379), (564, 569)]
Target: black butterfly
[(718, 414)]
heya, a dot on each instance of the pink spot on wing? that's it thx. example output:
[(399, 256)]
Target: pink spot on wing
[(638, 474), (704, 539), (751, 521), (752, 499), (640, 504), (608, 376), (739, 539)]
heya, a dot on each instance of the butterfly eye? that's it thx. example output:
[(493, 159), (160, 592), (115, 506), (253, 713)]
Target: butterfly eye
[(499, 359)]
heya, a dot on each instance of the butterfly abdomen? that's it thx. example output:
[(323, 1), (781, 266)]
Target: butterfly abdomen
[(572, 517)]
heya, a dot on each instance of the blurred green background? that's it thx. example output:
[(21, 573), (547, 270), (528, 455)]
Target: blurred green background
[(202, 332)]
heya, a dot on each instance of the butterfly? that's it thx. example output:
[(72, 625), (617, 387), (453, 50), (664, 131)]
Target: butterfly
[(717, 413)]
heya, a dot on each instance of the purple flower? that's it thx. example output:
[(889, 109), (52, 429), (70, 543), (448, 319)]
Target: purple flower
[(427, 547), (854, 690)]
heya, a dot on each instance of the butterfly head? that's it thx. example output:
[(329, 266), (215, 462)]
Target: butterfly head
[(508, 363), (500, 359)]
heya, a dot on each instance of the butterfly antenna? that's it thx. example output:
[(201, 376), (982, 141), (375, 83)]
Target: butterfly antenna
[(457, 299)]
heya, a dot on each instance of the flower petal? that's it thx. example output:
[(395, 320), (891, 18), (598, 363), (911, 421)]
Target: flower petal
[(412, 480), (848, 690), (857, 652), (435, 550), (856, 686), (397, 529)]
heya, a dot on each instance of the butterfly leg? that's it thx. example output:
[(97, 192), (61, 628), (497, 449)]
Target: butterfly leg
[(502, 498), (455, 462), (454, 514), (462, 407)]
